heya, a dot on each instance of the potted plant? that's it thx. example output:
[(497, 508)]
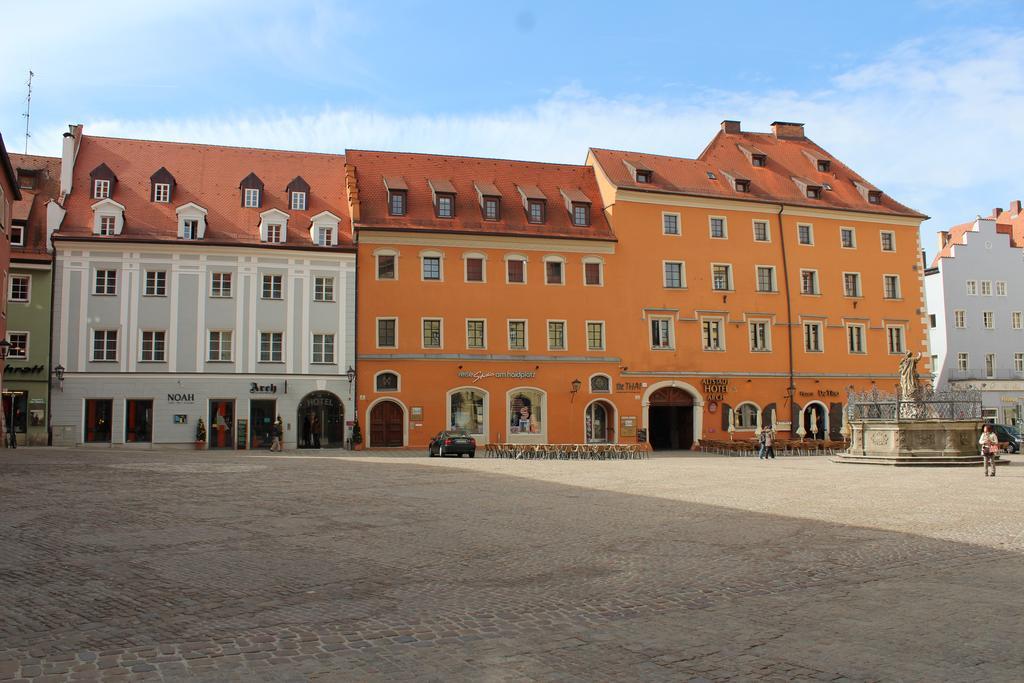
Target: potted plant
[(357, 435), (200, 435)]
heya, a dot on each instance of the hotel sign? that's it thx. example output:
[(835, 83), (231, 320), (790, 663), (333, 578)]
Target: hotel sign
[(715, 388), (478, 375)]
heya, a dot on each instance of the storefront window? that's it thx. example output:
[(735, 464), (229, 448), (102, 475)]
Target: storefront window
[(746, 416), (467, 411), (16, 414), (526, 412)]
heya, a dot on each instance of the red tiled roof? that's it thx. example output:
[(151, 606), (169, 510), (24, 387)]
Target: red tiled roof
[(787, 158), (466, 174), (31, 208), (207, 175)]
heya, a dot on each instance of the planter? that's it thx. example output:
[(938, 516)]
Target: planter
[(200, 445)]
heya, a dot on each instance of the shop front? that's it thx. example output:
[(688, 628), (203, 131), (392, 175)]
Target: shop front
[(236, 411), (25, 406)]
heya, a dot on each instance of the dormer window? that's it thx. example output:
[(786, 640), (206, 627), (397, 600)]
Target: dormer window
[(578, 205), (639, 172), (875, 196), (535, 203), (742, 185), (759, 160), (274, 233), (107, 225), (108, 218), (101, 189), (445, 205), (27, 179), (535, 211), (161, 193), (191, 222), (824, 165), (103, 180), (492, 208), (161, 186), (252, 191), (490, 200), (580, 214), (323, 229), (444, 197), (274, 226), (398, 195), (711, 176), (297, 191), (190, 228), (813, 192), (644, 176)]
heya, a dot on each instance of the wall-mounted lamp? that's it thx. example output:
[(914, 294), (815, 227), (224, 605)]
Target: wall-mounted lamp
[(574, 389), (58, 372)]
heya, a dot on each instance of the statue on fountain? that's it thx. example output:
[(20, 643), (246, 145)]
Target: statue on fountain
[(908, 374)]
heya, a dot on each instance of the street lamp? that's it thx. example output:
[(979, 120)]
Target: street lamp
[(5, 349), (351, 373), (576, 384), (58, 372)]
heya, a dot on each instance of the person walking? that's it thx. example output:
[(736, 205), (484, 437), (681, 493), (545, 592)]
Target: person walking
[(314, 428), (767, 440), (275, 435), (989, 443)]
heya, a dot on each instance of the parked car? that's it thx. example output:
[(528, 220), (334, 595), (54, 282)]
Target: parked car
[(1010, 436), (455, 443)]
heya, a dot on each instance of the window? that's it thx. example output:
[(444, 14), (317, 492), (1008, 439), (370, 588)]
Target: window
[(990, 365), (445, 206), (962, 362), (104, 345), (960, 319), (805, 234), (721, 277), (824, 165), (718, 228), (323, 288), (252, 198), (761, 231), (742, 185), (851, 284), (874, 196), (466, 411), (20, 288), (580, 214), (271, 347), (387, 337), (101, 189), (553, 272), (988, 320), (1015, 320), (476, 334), (972, 288), (220, 345), (431, 333), (154, 346), (855, 339), (386, 381), (156, 283), (891, 286), (813, 192), (220, 285), (535, 211), (670, 223), (675, 277), (108, 225), (298, 202), (1000, 288), (386, 267), (189, 228), (643, 176), (106, 282), (161, 193), (812, 338), (986, 288), (746, 416), (595, 336), (888, 241), (931, 321), (895, 337), (492, 208), (474, 269), (760, 336), (556, 335), (396, 202), (711, 333), (600, 384), (661, 333), (809, 282), (323, 348), (274, 233), (758, 160), (324, 235), (17, 235), (1018, 362), (272, 287), (593, 274), (18, 349), (516, 270), (526, 412), (517, 335), (431, 267), (846, 238), (766, 279)]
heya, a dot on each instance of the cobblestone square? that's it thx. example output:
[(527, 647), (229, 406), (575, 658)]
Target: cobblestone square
[(170, 566)]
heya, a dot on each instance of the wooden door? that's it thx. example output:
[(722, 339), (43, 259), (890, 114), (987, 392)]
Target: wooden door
[(386, 425)]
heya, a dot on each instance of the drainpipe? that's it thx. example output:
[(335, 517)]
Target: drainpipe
[(789, 320)]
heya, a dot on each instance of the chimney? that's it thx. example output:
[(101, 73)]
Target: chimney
[(784, 129), (67, 158), (1015, 208), (996, 211), (943, 239), (730, 126)]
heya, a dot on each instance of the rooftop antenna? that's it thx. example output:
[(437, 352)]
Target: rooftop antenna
[(28, 109)]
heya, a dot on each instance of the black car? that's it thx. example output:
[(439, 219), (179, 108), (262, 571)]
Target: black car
[(1009, 436), (452, 443)]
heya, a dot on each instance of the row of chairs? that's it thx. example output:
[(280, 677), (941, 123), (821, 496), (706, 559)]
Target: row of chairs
[(781, 447), (569, 451)]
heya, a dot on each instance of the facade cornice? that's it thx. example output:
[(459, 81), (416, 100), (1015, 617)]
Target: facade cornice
[(476, 241), (178, 247)]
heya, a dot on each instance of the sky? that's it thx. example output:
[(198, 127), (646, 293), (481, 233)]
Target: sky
[(921, 97)]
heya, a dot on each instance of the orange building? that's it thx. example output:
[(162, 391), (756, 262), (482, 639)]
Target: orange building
[(766, 279), (636, 297), (485, 297)]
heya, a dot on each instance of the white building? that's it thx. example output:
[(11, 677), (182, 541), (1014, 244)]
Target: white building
[(975, 293), (197, 282)]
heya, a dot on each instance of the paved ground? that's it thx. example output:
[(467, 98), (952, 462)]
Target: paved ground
[(174, 566)]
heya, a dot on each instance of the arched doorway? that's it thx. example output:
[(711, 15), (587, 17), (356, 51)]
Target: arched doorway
[(815, 415), (387, 425), (599, 425), (670, 419), (321, 420)]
